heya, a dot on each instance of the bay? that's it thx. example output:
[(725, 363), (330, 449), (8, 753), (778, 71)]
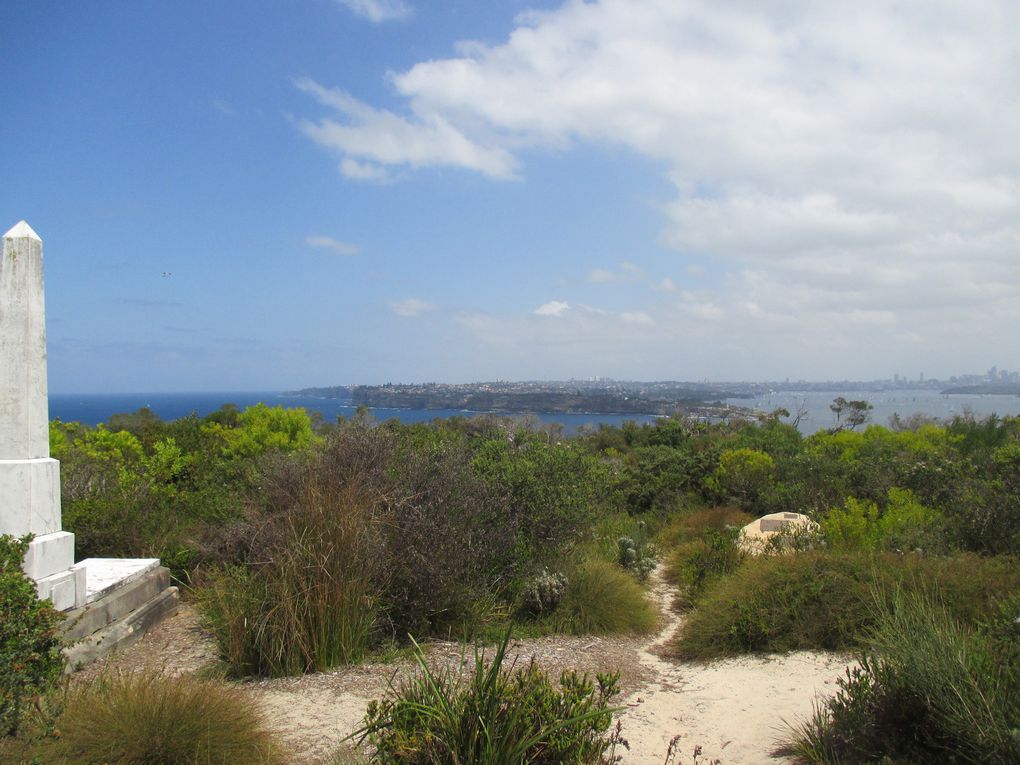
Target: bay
[(886, 403), (93, 408)]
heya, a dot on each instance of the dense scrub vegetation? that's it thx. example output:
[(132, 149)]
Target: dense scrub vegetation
[(463, 526)]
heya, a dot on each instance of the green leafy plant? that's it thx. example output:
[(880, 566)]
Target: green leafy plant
[(497, 714), (30, 657)]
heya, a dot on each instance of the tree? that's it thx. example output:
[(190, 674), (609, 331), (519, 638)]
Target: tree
[(849, 414)]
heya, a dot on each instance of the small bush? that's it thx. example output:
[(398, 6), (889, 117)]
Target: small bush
[(692, 566), (821, 599), (148, 718), (927, 690), (30, 657), (602, 599), (494, 716), (307, 603)]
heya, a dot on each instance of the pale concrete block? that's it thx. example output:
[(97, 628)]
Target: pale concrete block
[(24, 404), (61, 588), (49, 554), (772, 524), (29, 496)]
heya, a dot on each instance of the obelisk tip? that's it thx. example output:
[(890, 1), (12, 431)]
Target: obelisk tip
[(21, 230)]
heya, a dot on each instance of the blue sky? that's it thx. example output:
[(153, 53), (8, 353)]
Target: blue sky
[(262, 195)]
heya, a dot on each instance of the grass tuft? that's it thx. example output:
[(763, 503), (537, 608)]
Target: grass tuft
[(602, 598), (148, 718)]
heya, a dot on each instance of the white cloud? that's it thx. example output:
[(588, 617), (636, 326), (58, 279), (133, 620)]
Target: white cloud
[(411, 307), (329, 243), (378, 11), (363, 171), (628, 272), (552, 308), (382, 137), (843, 170)]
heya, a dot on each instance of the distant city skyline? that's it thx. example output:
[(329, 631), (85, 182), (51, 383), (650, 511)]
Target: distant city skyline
[(254, 195)]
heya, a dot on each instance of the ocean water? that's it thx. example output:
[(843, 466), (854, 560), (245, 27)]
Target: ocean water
[(886, 403), (94, 408)]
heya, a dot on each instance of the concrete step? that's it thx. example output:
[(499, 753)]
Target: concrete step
[(104, 610), (122, 632)]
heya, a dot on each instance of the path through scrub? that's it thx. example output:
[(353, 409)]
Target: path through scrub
[(733, 708)]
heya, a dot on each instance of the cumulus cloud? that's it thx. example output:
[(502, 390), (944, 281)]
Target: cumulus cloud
[(854, 171), (378, 11), (552, 308), (411, 307), (334, 245)]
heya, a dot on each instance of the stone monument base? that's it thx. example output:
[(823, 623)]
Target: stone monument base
[(125, 598)]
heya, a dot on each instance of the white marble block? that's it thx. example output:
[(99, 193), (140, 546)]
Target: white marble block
[(66, 589), (29, 496), (49, 554)]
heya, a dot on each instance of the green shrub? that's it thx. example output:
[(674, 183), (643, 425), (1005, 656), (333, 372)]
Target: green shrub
[(904, 523), (308, 603), (30, 657), (693, 565), (820, 599), (495, 716), (601, 598), (148, 718), (926, 690)]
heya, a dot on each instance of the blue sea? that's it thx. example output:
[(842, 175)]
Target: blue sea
[(93, 408)]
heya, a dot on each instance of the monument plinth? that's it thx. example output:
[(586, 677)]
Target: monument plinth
[(115, 600), (29, 478)]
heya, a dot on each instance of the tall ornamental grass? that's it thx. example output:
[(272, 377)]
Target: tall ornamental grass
[(601, 598), (310, 604)]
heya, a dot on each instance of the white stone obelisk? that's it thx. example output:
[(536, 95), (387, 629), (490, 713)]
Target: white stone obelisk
[(29, 478)]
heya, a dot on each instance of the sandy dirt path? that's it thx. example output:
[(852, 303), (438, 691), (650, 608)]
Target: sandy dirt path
[(734, 708)]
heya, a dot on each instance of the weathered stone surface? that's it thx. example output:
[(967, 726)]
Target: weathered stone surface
[(116, 604), (24, 403), (123, 632)]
